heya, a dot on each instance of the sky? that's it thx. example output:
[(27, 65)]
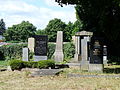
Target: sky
[(37, 12)]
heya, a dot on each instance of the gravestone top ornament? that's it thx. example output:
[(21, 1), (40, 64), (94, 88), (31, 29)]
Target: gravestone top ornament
[(84, 33)]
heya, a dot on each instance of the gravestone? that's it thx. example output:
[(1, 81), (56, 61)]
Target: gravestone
[(96, 56), (40, 48), (58, 55), (31, 44), (105, 55), (25, 55)]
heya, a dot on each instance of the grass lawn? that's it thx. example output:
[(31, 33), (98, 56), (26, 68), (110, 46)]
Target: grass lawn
[(20, 80)]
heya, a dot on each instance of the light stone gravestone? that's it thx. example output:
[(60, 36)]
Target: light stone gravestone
[(82, 49), (31, 44), (40, 48), (58, 55), (25, 55)]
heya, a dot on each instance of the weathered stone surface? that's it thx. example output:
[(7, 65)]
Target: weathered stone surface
[(96, 67), (84, 64), (58, 55), (45, 72), (31, 44), (25, 55)]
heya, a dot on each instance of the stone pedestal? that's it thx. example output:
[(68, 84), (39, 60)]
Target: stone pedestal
[(96, 68), (58, 55), (39, 58)]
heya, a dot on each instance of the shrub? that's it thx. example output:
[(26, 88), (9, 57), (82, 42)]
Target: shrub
[(30, 64), (46, 64), (19, 64), (51, 50), (16, 64), (69, 50), (13, 51)]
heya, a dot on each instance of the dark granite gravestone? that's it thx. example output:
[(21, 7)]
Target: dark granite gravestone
[(96, 55), (40, 48)]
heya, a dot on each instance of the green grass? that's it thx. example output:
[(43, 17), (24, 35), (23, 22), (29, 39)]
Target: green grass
[(3, 64)]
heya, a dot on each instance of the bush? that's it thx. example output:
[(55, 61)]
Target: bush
[(16, 64), (46, 64), (13, 51), (19, 64)]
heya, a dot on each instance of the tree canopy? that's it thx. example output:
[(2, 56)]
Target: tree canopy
[(101, 17), (20, 32), (2, 27)]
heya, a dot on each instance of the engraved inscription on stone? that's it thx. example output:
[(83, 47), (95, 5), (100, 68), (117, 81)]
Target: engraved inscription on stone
[(40, 45)]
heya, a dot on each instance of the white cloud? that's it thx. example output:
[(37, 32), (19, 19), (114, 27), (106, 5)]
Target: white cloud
[(14, 11)]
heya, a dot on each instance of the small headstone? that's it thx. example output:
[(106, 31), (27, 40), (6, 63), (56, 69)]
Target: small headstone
[(25, 55), (31, 44), (40, 48), (105, 55), (58, 55)]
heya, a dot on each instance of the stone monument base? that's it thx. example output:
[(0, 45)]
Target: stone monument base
[(58, 56), (96, 67), (38, 58), (84, 65)]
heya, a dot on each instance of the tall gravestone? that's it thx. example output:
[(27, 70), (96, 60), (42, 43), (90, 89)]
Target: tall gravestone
[(31, 44), (40, 48), (82, 48), (58, 55), (25, 55), (96, 56), (105, 55)]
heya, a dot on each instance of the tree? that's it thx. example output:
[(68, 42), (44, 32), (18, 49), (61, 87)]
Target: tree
[(40, 32), (53, 26), (20, 32), (101, 17), (2, 27)]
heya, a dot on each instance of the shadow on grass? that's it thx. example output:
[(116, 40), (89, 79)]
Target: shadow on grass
[(112, 70)]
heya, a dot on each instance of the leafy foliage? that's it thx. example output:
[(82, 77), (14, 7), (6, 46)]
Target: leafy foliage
[(20, 32), (13, 51), (19, 64), (54, 26), (40, 32), (101, 17)]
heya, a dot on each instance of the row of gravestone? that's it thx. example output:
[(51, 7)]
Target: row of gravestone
[(38, 45), (90, 53)]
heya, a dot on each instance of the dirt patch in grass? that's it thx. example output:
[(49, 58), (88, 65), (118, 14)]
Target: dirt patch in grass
[(20, 80)]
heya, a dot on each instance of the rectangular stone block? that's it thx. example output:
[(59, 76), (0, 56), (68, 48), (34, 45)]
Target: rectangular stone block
[(96, 67), (25, 55), (38, 58)]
